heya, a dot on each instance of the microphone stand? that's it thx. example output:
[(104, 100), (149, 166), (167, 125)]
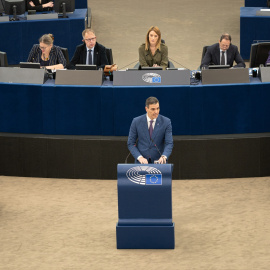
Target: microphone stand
[(130, 152), (156, 147)]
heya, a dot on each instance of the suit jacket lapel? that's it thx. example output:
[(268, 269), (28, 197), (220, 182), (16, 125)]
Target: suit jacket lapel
[(95, 55), (156, 128), (217, 55), (229, 56), (84, 54), (145, 128)]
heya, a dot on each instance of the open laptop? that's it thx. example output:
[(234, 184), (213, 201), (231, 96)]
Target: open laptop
[(29, 65), (86, 67), (151, 68), (218, 66)]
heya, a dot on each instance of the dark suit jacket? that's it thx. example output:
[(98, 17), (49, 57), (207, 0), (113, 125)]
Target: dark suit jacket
[(212, 56), (79, 57), (268, 59), (161, 137)]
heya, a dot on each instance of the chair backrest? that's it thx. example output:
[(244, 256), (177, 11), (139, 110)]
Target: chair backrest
[(3, 59), (65, 53), (258, 54), (204, 51), (170, 64), (109, 55), (1, 7)]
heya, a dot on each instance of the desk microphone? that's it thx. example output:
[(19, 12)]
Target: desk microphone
[(128, 156), (156, 146)]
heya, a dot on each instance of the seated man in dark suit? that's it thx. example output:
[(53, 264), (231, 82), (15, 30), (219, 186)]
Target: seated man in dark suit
[(223, 53), (90, 52)]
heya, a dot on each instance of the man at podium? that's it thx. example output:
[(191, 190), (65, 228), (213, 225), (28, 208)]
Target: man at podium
[(150, 136)]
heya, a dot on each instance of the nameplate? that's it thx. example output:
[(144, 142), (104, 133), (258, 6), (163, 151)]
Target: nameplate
[(4, 18), (264, 74), (79, 77), (151, 77), (21, 75), (225, 76), (263, 12), (47, 16)]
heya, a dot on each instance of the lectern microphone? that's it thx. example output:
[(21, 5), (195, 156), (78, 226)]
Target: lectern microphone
[(157, 148), (130, 152)]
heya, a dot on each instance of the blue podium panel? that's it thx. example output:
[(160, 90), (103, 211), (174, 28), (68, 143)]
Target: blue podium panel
[(255, 3), (29, 32), (252, 28), (198, 110), (20, 108), (108, 111), (71, 109), (145, 207)]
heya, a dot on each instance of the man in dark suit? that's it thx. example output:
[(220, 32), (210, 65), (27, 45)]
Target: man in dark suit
[(90, 52), (223, 53), (150, 136)]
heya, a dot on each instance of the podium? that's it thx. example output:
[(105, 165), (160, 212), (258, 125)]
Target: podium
[(145, 206), (151, 77)]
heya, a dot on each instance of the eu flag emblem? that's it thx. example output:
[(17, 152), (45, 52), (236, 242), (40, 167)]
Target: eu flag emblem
[(153, 179), (156, 80)]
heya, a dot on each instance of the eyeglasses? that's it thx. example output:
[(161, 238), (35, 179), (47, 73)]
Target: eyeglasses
[(43, 48), (90, 39)]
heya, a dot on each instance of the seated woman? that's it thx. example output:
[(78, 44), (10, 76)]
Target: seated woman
[(47, 54), (40, 5), (153, 53)]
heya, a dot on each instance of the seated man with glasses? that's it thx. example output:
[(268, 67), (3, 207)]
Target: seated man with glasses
[(223, 53), (90, 52), (47, 54)]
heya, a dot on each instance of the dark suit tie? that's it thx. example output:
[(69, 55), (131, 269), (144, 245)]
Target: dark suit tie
[(222, 59), (150, 133), (90, 62), (151, 128)]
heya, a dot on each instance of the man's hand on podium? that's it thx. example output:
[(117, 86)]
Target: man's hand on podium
[(143, 160), (162, 160)]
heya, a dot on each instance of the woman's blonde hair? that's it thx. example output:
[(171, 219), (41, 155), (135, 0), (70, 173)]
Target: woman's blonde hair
[(47, 39)]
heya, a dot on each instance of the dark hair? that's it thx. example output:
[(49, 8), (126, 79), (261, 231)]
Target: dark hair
[(225, 36), (150, 101)]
